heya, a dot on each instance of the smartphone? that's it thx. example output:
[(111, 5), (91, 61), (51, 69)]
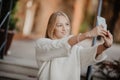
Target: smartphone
[(102, 21)]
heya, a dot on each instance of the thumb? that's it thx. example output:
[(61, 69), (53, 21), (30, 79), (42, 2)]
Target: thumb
[(104, 37)]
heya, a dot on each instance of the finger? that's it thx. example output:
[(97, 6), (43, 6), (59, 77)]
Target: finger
[(105, 32), (110, 34), (102, 35), (104, 38), (111, 37)]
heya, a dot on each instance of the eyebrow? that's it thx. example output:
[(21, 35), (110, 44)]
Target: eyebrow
[(62, 23), (58, 23)]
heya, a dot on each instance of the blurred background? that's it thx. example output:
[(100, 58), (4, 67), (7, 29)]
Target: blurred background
[(24, 21)]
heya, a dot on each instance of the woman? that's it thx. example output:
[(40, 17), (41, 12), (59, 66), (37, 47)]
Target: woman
[(58, 55)]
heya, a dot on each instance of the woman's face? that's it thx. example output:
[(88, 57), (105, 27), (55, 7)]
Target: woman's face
[(62, 27)]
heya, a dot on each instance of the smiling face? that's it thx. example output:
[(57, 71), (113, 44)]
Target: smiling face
[(58, 26), (62, 27)]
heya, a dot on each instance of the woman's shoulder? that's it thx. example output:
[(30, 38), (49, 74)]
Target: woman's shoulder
[(49, 40), (42, 40)]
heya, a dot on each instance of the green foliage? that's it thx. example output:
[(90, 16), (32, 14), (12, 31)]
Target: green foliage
[(84, 27), (13, 19), (87, 23)]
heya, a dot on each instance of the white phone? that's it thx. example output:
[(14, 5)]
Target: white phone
[(102, 21)]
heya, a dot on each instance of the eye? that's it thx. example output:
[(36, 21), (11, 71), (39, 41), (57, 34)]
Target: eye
[(59, 25), (67, 24)]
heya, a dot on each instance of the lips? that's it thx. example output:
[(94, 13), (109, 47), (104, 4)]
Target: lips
[(64, 33)]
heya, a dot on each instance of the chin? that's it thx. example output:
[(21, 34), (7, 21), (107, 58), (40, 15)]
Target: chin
[(62, 36), (65, 36)]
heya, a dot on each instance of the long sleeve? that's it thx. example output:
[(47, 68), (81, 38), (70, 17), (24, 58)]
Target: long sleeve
[(47, 49), (87, 57)]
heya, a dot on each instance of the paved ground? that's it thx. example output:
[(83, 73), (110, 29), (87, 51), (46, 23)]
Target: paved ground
[(22, 51), (23, 48), (114, 52)]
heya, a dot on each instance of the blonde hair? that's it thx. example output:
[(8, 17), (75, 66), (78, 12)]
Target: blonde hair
[(51, 23)]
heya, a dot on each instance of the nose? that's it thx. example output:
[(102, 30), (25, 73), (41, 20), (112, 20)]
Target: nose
[(64, 28)]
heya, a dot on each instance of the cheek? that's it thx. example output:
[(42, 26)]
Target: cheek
[(56, 32), (69, 29)]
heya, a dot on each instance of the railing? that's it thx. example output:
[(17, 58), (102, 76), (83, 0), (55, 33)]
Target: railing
[(89, 70), (5, 9)]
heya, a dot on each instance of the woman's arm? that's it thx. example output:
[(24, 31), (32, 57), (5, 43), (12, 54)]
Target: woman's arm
[(87, 56), (78, 38), (97, 31), (47, 49), (95, 54)]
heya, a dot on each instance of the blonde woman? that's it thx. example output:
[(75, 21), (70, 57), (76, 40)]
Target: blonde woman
[(58, 55)]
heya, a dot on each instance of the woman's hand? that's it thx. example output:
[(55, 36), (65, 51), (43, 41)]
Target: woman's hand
[(108, 40), (97, 31)]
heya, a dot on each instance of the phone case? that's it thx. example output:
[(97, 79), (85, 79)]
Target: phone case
[(101, 21)]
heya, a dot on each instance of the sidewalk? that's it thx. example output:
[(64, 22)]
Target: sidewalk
[(23, 49), (113, 52), (20, 63)]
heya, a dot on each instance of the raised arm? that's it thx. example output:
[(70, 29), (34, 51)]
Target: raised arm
[(97, 31), (47, 49)]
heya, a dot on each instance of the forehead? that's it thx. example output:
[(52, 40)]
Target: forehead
[(61, 18)]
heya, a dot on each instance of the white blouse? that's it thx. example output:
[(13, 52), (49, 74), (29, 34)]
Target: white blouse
[(57, 60)]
